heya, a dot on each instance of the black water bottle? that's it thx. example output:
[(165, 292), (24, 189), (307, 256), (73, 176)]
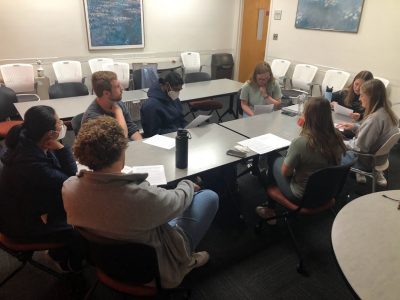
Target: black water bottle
[(181, 148)]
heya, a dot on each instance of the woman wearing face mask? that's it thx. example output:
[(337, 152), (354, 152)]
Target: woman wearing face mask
[(35, 167), (350, 97), (162, 111)]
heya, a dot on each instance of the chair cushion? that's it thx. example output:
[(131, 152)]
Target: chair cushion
[(19, 246), (128, 288), (6, 126), (275, 194), (206, 104)]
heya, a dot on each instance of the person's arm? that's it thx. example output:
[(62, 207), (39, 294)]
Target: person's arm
[(269, 99), (66, 160), (368, 135), (246, 108), (133, 129), (150, 119), (286, 170), (293, 157), (119, 116)]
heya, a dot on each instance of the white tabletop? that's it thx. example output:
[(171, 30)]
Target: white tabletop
[(207, 150), (70, 107), (207, 89), (366, 242)]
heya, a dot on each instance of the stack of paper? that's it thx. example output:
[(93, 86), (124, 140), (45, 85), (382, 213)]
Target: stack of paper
[(265, 143), (156, 173), (161, 141)]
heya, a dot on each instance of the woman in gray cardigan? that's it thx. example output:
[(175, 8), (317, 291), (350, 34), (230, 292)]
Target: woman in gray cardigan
[(126, 207), (378, 125)]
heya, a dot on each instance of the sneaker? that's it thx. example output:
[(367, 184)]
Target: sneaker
[(380, 179), (199, 259), (265, 213), (361, 178)]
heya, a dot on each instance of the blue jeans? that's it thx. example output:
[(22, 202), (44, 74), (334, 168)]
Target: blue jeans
[(197, 218)]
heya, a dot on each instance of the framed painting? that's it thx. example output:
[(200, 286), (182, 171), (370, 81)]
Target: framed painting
[(114, 24), (333, 15)]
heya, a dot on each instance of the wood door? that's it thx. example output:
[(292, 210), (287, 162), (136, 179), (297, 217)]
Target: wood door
[(254, 36)]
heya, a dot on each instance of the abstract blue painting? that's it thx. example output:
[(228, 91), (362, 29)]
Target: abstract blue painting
[(114, 24), (334, 15)]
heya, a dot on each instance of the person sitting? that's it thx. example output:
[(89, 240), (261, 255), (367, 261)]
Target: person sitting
[(350, 97), (35, 167), (172, 221), (319, 145), (162, 111), (262, 88), (108, 102), (378, 125)]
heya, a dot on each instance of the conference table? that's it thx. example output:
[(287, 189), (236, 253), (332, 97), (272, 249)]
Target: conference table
[(366, 242), (207, 150), (69, 107)]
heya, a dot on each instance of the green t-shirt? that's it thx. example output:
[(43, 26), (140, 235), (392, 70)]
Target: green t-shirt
[(305, 162), (253, 96)]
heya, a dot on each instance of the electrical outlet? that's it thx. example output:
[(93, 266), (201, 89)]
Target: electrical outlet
[(275, 37)]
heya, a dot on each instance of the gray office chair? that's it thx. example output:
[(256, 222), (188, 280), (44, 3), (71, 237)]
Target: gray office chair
[(209, 105), (76, 123)]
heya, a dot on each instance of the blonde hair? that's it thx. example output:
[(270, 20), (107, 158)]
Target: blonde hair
[(261, 68)]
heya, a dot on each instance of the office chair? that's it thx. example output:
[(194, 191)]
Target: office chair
[(209, 105), (145, 77), (334, 78), (301, 81), (21, 79), (384, 80), (129, 268), (67, 89), (76, 123), (322, 188), (122, 71), (68, 71), (279, 69), (191, 62), (377, 165), (8, 114), (97, 64)]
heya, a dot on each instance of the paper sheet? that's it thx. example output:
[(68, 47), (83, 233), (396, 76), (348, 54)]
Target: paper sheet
[(200, 119), (156, 173), (265, 143), (339, 109), (263, 109), (161, 141)]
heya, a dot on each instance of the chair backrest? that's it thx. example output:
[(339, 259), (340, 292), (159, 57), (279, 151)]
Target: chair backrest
[(386, 147), (191, 61), (336, 79), (18, 77), (7, 100), (68, 71), (324, 184), (67, 89), (145, 77), (384, 80), (280, 67), (122, 71), (76, 123), (197, 77), (303, 75), (96, 64)]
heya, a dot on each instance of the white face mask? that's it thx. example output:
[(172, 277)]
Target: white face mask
[(173, 95), (62, 132)]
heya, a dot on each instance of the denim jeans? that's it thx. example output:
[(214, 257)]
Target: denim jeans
[(197, 218)]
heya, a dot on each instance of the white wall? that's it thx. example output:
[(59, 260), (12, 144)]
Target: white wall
[(376, 46), (56, 29)]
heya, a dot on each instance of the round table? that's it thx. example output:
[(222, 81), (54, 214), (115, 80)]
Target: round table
[(366, 242)]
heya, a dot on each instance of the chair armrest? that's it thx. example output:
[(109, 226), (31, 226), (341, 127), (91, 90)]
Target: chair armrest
[(311, 85), (83, 79)]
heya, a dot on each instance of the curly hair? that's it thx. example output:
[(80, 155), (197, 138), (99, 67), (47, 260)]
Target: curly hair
[(100, 143)]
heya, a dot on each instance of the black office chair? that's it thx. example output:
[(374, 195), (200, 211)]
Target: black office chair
[(67, 89), (145, 76), (76, 123), (321, 191), (8, 114), (129, 268), (209, 105)]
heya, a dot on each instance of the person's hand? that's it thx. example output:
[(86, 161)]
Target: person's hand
[(346, 126), (196, 187), (53, 144), (355, 116), (333, 103)]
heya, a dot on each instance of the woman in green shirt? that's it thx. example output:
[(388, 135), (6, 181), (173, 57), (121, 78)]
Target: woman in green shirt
[(261, 89)]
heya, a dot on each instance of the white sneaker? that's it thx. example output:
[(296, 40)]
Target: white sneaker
[(380, 179), (199, 259), (361, 178)]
